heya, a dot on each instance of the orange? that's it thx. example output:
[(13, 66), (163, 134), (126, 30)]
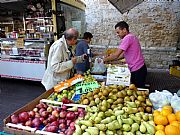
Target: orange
[(160, 120), (175, 123), (160, 132), (156, 112), (167, 107), (172, 130), (166, 112), (159, 127), (177, 115), (171, 117)]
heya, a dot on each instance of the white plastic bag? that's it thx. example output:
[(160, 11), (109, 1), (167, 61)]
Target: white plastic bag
[(158, 99), (175, 102), (167, 94), (99, 66)]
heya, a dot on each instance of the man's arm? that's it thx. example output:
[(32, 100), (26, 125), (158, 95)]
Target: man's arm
[(59, 65), (116, 55)]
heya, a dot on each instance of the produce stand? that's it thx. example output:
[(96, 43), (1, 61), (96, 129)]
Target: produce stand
[(98, 109)]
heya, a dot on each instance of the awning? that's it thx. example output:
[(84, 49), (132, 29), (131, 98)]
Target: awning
[(125, 5)]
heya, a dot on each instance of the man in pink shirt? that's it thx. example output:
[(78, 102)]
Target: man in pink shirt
[(130, 49)]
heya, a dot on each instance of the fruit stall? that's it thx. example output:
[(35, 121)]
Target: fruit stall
[(84, 106)]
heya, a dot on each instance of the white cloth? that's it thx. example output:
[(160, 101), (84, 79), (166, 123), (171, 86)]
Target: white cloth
[(59, 64)]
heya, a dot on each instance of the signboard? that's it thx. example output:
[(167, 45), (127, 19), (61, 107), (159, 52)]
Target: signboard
[(86, 87), (118, 74)]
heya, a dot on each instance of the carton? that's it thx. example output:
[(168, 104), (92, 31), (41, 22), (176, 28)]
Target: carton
[(175, 71), (118, 74), (27, 107)]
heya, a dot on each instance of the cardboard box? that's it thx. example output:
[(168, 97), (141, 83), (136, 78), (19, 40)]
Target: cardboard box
[(118, 74), (175, 71), (27, 107)]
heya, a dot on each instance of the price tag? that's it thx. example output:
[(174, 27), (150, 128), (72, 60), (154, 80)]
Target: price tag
[(86, 87)]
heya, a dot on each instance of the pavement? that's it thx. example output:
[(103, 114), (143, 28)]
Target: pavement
[(14, 93)]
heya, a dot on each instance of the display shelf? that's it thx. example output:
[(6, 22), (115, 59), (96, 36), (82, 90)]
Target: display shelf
[(22, 63)]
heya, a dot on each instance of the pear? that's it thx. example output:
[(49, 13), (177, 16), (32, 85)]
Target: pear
[(148, 109), (148, 102), (129, 92), (132, 98), (141, 98), (127, 98), (120, 94), (105, 92)]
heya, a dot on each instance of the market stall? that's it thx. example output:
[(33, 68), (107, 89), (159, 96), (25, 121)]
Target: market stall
[(84, 106)]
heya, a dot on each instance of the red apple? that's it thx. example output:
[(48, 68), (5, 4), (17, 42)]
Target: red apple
[(62, 114), (28, 123), (23, 116), (14, 119), (32, 114), (55, 113)]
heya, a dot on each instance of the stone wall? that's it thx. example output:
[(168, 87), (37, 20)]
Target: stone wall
[(156, 23)]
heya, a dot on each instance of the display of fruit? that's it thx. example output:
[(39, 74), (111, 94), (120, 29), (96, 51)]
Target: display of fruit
[(50, 118), (88, 77), (67, 93), (118, 95), (116, 110), (166, 121)]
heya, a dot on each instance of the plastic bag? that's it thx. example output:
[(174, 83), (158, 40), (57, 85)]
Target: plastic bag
[(158, 99), (99, 66), (167, 94), (175, 102)]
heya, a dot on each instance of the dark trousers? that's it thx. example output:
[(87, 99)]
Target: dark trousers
[(139, 77)]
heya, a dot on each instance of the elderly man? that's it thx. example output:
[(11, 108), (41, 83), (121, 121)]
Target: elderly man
[(61, 60)]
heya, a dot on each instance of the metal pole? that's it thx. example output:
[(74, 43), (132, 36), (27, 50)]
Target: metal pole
[(54, 15)]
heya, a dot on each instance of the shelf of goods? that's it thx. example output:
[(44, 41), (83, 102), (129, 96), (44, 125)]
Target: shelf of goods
[(39, 24), (104, 110), (23, 62)]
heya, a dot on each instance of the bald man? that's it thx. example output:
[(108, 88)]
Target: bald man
[(61, 59)]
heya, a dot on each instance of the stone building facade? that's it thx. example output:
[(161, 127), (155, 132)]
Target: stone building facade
[(155, 22)]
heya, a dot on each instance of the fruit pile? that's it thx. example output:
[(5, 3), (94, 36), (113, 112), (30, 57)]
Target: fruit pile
[(118, 96), (51, 119), (116, 110), (67, 93), (167, 122)]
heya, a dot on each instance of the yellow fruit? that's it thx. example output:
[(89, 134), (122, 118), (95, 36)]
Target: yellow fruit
[(175, 123), (156, 112), (171, 117), (159, 127), (160, 132), (172, 130), (166, 112), (160, 120), (168, 107), (177, 115)]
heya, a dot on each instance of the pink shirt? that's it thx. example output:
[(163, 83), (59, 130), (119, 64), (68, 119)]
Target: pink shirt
[(132, 52)]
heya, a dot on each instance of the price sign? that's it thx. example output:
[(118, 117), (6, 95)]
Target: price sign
[(86, 87)]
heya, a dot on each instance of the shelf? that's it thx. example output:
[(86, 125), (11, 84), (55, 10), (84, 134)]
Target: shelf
[(38, 18), (44, 26), (7, 23)]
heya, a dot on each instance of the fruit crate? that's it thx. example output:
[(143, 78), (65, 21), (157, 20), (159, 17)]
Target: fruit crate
[(19, 129)]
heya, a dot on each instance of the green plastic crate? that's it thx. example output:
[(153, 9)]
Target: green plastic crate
[(3, 133)]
